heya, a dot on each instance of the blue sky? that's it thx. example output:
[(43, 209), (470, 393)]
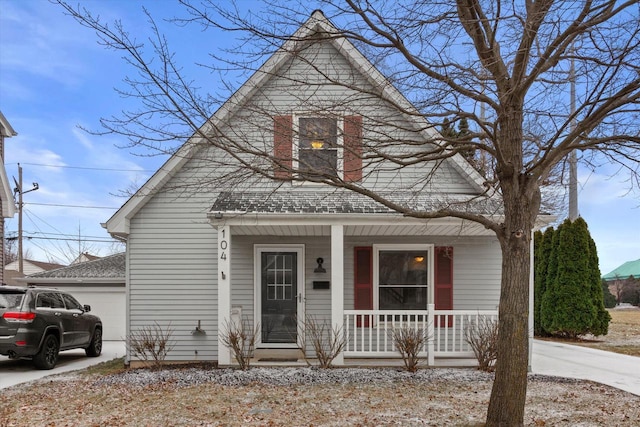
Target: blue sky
[(54, 76)]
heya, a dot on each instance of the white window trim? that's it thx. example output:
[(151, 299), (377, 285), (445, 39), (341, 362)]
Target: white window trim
[(339, 141), (429, 248), (257, 302)]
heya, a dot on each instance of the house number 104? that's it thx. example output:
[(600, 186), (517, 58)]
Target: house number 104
[(223, 246)]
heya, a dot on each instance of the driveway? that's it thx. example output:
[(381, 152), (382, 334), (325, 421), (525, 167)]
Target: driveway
[(572, 361), (14, 372)]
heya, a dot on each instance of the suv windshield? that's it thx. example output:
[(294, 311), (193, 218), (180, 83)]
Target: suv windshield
[(11, 299)]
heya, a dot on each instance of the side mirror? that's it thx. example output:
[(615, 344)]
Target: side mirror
[(87, 308)]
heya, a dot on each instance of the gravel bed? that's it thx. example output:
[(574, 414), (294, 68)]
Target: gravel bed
[(185, 377)]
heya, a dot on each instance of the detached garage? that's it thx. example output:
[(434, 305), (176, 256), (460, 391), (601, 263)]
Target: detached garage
[(99, 283)]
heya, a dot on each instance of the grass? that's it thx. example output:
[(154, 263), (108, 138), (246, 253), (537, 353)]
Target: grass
[(446, 400), (82, 402), (106, 368), (623, 336)]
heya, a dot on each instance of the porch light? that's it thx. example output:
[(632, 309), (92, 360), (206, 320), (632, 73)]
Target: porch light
[(317, 144), (320, 268), (419, 258)]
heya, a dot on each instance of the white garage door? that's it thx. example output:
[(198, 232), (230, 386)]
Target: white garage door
[(108, 304)]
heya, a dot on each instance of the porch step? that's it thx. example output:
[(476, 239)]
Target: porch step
[(278, 355)]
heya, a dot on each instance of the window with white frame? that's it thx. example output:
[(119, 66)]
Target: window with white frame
[(403, 277), (318, 143)]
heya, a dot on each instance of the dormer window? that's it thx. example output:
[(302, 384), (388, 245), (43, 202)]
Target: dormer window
[(318, 146)]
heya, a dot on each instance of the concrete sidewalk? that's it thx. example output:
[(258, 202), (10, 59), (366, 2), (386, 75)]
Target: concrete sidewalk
[(572, 361), (14, 372)]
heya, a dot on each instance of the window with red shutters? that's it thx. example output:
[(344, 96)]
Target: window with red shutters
[(317, 146)]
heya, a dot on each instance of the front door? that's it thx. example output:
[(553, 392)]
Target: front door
[(279, 297)]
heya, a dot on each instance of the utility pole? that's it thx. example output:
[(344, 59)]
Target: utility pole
[(18, 190), (573, 159)]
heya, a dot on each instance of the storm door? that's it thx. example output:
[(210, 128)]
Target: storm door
[(279, 297)]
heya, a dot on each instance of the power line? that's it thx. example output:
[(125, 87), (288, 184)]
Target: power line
[(85, 168), (9, 235), (65, 239), (72, 206)]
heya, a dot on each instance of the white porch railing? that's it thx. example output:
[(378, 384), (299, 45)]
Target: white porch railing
[(369, 333)]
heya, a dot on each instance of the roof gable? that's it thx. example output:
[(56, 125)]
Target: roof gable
[(118, 224)]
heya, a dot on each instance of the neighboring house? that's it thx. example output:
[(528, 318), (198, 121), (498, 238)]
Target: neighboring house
[(624, 282), (625, 271), (6, 195), (31, 266), (84, 257), (276, 253), (99, 283)]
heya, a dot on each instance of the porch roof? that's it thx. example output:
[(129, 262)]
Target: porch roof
[(348, 202), (304, 213)]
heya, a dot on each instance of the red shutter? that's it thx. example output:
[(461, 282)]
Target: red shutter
[(444, 280), (352, 148), (282, 145), (363, 281)]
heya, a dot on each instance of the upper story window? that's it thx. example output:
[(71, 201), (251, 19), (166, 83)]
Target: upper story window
[(318, 146)]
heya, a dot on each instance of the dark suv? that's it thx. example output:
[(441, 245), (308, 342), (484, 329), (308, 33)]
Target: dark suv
[(37, 323)]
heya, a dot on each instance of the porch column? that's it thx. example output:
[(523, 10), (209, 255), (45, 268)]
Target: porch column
[(224, 290), (337, 284), (431, 357)]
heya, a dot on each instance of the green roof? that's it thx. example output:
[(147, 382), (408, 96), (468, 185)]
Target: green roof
[(629, 268)]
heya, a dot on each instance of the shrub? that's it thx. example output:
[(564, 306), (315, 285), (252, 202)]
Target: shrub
[(327, 342), (568, 309), (151, 344), (483, 339), (409, 342), (241, 340)]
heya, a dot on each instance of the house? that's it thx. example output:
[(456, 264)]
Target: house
[(6, 195), (624, 271), (273, 252), (32, 266), (84, 257), (29, 267), (99, 283), (624, 282)]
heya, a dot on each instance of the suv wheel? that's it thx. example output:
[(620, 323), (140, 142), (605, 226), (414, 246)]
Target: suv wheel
[(95, 347), (47, 357)]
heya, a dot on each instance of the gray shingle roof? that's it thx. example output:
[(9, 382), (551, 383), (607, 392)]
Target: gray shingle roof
[(343, 202), (112, 266)]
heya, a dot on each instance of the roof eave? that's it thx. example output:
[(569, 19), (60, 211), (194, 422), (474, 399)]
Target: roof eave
[(71, 280)]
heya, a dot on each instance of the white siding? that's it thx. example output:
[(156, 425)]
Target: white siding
[(172, 272)]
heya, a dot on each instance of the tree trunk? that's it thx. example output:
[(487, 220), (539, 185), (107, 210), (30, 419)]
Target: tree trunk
[(508, 395)]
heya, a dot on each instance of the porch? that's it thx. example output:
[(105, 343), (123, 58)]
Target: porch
[(369, 333), (369, 339), (354, 263)]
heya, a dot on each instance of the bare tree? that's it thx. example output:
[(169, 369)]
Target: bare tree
[(501, 66)]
